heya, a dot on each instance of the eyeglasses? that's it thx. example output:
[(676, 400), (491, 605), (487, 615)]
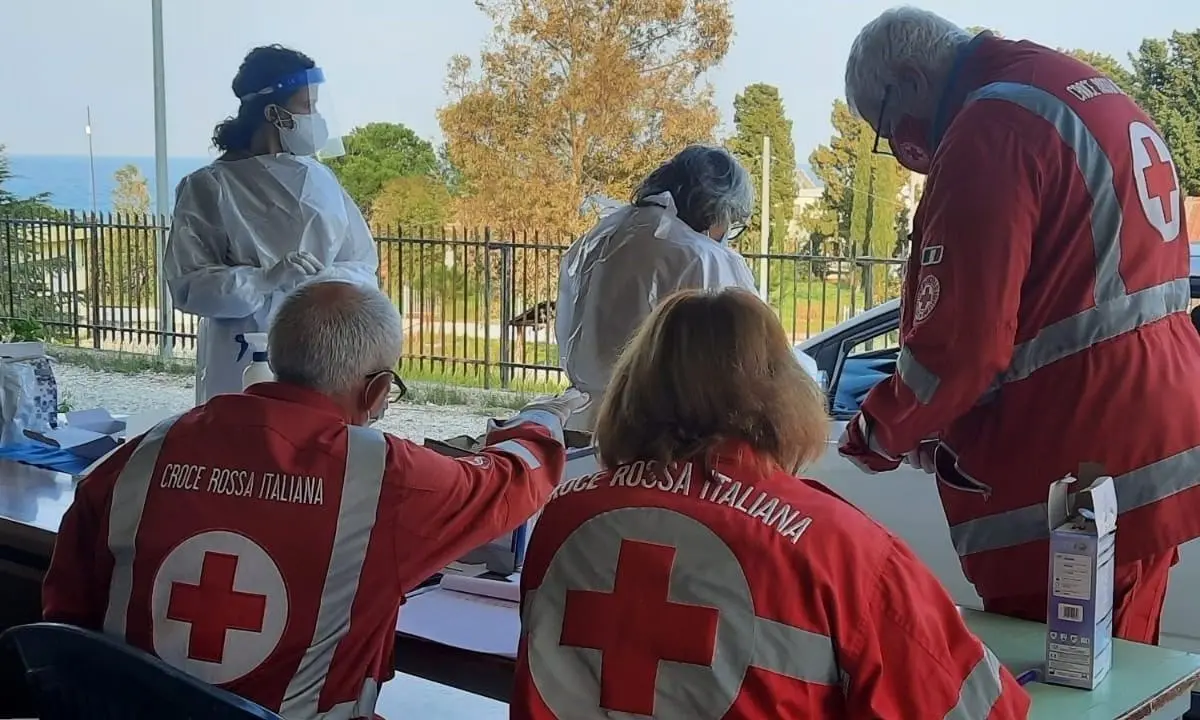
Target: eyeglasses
[(879, 136), (735, 231), (399, 389)]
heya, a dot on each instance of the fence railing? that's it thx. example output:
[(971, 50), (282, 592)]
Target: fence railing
[(478, 307)]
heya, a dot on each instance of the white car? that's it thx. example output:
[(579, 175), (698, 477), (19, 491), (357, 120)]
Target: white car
[(850, 358)]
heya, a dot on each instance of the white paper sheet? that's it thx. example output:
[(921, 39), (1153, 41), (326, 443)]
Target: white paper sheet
[(509, 590), (462, 620)]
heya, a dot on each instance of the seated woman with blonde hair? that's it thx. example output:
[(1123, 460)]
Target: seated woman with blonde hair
[(700, 577)]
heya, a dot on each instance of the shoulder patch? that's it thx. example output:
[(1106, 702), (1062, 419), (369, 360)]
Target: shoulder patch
[(931, 255)]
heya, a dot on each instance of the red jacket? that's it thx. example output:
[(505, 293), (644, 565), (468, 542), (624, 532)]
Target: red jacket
[(1044, 319), (656, 592), (233, 542)]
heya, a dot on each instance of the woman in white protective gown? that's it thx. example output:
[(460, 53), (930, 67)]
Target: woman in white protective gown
[(264, 217), (674, 235)]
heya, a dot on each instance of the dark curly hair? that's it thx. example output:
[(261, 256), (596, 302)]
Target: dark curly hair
[(261, 67)]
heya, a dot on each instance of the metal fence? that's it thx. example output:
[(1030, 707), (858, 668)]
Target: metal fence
[(478, 306)]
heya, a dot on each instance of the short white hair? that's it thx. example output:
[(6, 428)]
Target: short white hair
[(330, 335), (900, 36)]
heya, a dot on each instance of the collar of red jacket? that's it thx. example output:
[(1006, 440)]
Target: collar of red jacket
[(310, 399), (989, 60)]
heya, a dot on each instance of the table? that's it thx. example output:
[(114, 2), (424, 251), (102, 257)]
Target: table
[(1146, 682)]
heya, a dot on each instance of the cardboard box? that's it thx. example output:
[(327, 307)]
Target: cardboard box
[(1079, 614)]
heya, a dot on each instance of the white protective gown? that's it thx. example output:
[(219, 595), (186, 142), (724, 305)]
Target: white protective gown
[(233, 221), (613, 277)]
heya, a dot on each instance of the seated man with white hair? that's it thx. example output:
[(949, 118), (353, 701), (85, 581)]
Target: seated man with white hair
[(1049, 269), (264, 541)]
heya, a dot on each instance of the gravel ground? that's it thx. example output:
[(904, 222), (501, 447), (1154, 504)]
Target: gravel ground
[(83, 389)]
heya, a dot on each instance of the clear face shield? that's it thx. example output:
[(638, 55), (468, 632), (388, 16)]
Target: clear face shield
[(300, 108)]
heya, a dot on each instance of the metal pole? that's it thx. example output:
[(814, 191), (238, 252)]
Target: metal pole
[(162, 205), (87, 129), (764, 248)]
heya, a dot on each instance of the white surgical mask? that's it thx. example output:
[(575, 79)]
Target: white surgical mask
[(307, 135)]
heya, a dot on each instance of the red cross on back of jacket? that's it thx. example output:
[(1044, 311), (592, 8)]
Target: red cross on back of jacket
[(1044, 319)]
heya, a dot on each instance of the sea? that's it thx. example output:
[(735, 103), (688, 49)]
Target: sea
[(68, 178)]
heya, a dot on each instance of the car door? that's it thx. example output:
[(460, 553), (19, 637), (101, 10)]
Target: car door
[(853, 359)]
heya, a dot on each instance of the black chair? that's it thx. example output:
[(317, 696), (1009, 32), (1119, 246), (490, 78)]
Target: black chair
[(75, 674)]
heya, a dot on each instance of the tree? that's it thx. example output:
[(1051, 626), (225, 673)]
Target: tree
[(578, 97), (131, 196), (379, 152), (34, 259), (1167, 77), (128, 271), (758, 112), (412, 203), (861, 202)]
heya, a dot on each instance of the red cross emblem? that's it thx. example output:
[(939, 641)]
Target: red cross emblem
[(636, 627), (213, 607), (1160, 178), (926, 299)]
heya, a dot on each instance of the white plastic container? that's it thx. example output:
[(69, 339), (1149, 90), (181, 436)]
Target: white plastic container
[(259, 370)]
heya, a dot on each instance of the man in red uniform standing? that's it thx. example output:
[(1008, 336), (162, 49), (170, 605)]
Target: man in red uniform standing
[(263, 541), (1044, 319)]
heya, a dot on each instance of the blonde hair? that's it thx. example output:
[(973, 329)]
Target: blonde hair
[(708, 367)]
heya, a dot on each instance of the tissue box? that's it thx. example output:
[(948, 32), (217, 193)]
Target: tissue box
[(1079, 614), (89, 434)]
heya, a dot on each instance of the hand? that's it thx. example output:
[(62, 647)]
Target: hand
[(306, 261), (283, 276), (561, 406), (855, 445), (922, 457)]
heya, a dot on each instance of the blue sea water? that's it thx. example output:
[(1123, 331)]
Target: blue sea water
[(68, 177)]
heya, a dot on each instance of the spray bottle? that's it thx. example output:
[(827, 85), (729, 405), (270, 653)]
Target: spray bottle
[(258, 370)]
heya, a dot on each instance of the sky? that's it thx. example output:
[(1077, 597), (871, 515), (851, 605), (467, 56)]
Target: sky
[(385, 60)]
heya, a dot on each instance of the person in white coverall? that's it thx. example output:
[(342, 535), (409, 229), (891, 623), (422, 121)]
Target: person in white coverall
[(263, 218), (673, 236)]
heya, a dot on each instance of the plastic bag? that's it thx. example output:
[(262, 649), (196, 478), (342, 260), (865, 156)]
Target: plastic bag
[(22, 405)]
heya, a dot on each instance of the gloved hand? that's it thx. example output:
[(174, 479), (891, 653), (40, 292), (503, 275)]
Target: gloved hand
[(306, 261), (855, 445), (293, 269), (922, 457), (561, 406)]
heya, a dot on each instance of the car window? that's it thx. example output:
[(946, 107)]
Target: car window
[(867, 361)]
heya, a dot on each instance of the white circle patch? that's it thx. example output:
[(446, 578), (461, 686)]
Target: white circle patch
[(1157, 181), (627, 615), (926, 299), (219, 606)]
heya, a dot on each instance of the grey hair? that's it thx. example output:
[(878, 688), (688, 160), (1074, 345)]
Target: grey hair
[(709, 186), (330, 335), (901, 36)]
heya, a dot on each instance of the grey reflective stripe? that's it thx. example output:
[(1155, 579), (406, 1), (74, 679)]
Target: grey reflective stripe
[(512, 447), (366, 458), (124, 518), (1094, 166), (796, 653), (1136, 489), (703, 572), (1116, 311), (363, 707), (979, 691), (1097, 324), (918, 378)]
